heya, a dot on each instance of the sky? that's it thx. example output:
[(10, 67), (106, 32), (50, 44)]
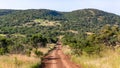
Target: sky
[(112, 6)]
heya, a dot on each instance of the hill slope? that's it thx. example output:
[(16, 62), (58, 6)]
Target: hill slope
[(90, 19), (5, 11), (79, 20)]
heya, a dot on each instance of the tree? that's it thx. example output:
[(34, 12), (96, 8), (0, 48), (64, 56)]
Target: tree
[(38, 41), (4, 43)]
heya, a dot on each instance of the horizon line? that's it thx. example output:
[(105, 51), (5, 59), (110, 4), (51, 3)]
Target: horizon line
[(57, 10)]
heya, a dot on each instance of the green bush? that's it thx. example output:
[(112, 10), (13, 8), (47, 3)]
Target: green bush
[(92, 50), (38, 53), (36, 66), (2, 51), (28, 53)]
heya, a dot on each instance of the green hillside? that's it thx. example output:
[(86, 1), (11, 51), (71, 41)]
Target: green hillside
[(5, 11), (12, 21), (90, 19), (51, 23)]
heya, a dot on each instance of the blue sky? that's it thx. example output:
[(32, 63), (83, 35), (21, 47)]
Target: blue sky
[(112, 6)]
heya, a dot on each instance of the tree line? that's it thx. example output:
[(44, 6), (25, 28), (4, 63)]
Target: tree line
[(14, 44)]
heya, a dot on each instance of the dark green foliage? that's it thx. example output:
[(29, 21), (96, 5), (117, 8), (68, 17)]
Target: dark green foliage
[(36, 66), (38, 53), (38, 41), (52, 40), (4, 43), (21, 45), (2, 51), (5, 12)]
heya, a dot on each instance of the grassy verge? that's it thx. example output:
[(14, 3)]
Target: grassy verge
[(22, 61), (109, 59), (18, 61)]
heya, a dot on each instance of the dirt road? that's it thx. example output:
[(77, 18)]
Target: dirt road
[(57, 59)]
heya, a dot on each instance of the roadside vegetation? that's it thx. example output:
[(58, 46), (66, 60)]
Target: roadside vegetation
[(19, 51), (108, 58), (18, 61), (96, 50)]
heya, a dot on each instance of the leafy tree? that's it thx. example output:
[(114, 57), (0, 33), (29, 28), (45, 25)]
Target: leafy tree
[(38, 41)]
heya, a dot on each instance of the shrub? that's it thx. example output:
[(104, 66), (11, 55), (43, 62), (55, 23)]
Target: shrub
[(38, 53), (2, 51), (36, 66), (28, 53)]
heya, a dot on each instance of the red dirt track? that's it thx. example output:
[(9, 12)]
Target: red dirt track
[(57, 59)]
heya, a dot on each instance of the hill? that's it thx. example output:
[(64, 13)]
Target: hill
[(86, 20), (90, 19), (5, 11)]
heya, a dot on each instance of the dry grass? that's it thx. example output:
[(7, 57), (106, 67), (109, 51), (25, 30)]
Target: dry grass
[(40, 22), (45, 50), (17, 34), (47, 22), (109, 59), (89, 33), (73, 31), (67, 50), (17, 61), (22, 61), (2, 35), (60, 37)]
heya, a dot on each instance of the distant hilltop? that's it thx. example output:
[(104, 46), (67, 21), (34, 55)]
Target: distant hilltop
[(85, 20)]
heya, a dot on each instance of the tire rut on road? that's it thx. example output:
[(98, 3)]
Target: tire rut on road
[(57, 59)]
